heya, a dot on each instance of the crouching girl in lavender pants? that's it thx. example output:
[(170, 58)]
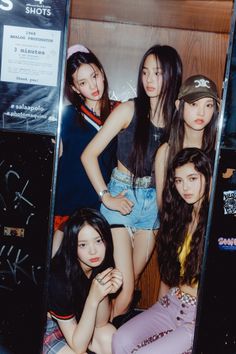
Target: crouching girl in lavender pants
[(168, 326)]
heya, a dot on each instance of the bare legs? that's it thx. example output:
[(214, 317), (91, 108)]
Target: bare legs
[(101, 342), (144, 243), (124, 262), (131, 257)]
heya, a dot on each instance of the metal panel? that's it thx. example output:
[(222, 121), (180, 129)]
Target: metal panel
[(216, 316)]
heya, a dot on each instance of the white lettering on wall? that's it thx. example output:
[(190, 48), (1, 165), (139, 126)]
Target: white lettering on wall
[(6, 5)]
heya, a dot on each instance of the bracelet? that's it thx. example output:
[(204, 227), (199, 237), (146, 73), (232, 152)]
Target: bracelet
[(101, 194)]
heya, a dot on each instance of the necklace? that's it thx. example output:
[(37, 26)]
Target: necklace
[(156, 136), (157, 133)]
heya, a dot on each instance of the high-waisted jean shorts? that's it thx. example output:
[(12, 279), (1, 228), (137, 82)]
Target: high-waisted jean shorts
[(144, 214)]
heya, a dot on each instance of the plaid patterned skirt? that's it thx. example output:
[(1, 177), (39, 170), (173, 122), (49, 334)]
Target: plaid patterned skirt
[(53, 338)]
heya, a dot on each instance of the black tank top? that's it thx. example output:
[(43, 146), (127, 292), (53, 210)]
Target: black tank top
[(125, 142)]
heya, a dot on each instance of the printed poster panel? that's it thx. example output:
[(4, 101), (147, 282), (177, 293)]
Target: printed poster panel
[(31, 40), (30, 56)]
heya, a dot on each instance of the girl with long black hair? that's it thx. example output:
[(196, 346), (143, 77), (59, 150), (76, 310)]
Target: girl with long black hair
[(87, 92), (82, 277), (129, 200)]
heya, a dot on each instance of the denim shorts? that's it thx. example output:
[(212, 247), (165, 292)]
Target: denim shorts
[(144, 214)]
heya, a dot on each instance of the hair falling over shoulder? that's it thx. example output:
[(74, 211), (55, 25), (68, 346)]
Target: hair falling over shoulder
[(176, 216), (73, 63), (177, 132), (66, 259), (171, 66)]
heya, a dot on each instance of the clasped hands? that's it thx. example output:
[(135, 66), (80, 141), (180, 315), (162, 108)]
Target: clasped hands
[(107, 282)]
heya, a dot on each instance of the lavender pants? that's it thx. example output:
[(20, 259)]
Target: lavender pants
[(165, 328)]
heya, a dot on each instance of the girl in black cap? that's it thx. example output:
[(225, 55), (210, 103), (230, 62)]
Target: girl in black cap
[(194, 124)]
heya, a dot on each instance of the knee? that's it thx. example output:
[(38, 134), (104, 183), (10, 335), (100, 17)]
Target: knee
[(104, 337), (123, 301)]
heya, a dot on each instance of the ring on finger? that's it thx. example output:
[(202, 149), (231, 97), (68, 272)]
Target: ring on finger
[(99, 280)]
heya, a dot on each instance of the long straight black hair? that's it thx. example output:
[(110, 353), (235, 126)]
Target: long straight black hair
[(177, 132), (73, 64), (66, 261), (171, 66), (176, 216)]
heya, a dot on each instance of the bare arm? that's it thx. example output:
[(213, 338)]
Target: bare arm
[(119, 119), (161, 161), (160, 171), (78, 335), (104, 308)]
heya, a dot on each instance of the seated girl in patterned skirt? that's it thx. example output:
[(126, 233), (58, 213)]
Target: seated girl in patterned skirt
[(81, 280)]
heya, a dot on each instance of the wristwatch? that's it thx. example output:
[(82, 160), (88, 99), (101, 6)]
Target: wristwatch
[(101, 194)]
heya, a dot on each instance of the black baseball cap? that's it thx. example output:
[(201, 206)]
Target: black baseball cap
[(197, 87)]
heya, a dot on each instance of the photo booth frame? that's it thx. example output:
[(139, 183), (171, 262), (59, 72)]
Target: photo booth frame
[(33, 42)]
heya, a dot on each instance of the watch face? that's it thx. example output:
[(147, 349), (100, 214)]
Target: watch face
[(101, 194)]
